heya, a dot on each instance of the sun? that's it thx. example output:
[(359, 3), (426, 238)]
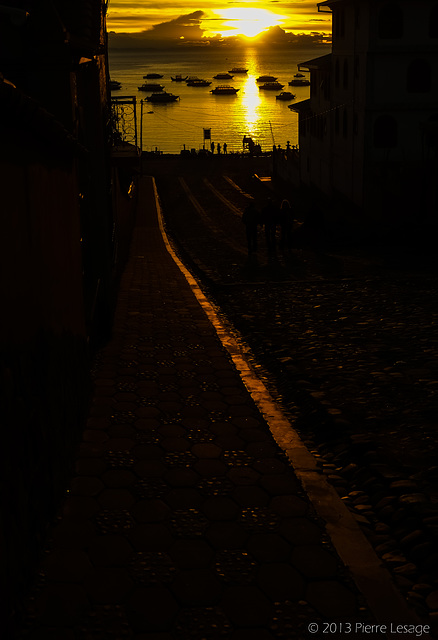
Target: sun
[(249, 22)]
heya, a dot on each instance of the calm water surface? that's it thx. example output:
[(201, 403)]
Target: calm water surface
[(251, 112)]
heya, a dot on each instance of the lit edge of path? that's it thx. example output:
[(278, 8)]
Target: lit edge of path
[(371, 578)]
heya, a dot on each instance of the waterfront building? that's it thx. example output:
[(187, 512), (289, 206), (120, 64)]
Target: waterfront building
[(368, 132)]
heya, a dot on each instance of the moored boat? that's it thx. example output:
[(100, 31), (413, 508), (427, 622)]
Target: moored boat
[(286, 95), (223, 76), (115, 85), (179, 78), (271, 86), (151, 86), (224, 89), (198, 82), (266, 79), (299, 82), (162, 97), (238, 70), (152, 76)]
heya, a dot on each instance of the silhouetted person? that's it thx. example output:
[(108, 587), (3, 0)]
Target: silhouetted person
[(286, 220), (225, 147), (212, 147), (270, 215), (218, 147), (251, 220)]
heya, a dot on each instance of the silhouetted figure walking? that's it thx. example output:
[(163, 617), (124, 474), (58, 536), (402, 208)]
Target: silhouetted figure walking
[(251, 220), (270, 215), (286, 224), (225, 147)]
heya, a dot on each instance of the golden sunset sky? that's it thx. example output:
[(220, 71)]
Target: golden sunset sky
[(213, 18)]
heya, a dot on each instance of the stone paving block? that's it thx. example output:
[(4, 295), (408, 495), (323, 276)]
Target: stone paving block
[(235, 566), (150, 537), (300, 531), (289, 506), (269, 547), (109, 550), (66, 565), (197, 587), (150, 511), (280, 484), (116, 499), (108, 585), (209, 468), (252, 634), (191, 554), (202, 623), (247, 606), (151, 568), (226, 535), (314, 562), (251, 496), (61, 604), (151, 609), (243, 475), (182, 477), (149, 468), (71, 534), (206, 450), (331, 599), (116, 478), (80, 507), (86, 486), (280, 581), (220, 508), (184, 498)]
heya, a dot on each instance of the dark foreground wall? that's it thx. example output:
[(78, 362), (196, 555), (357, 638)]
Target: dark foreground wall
[(44, 362)]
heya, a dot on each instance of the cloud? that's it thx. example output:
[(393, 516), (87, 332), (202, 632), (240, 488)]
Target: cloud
[(184, 27)]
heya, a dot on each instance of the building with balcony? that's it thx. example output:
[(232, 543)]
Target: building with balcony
[(368, 133)]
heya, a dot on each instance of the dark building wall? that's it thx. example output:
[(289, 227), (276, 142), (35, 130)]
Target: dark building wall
[(56, 263)]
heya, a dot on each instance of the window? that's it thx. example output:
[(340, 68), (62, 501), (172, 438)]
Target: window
[(345, 123), (338, 22), (390, 25), (345, 75), (356, 17), (385, 132), (418, 77), (356, 66), (433, 22), (355, 124)]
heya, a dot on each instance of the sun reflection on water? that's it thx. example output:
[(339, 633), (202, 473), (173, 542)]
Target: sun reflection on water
[(251, 104)]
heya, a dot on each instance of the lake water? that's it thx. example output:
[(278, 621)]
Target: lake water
[(251, 112)]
